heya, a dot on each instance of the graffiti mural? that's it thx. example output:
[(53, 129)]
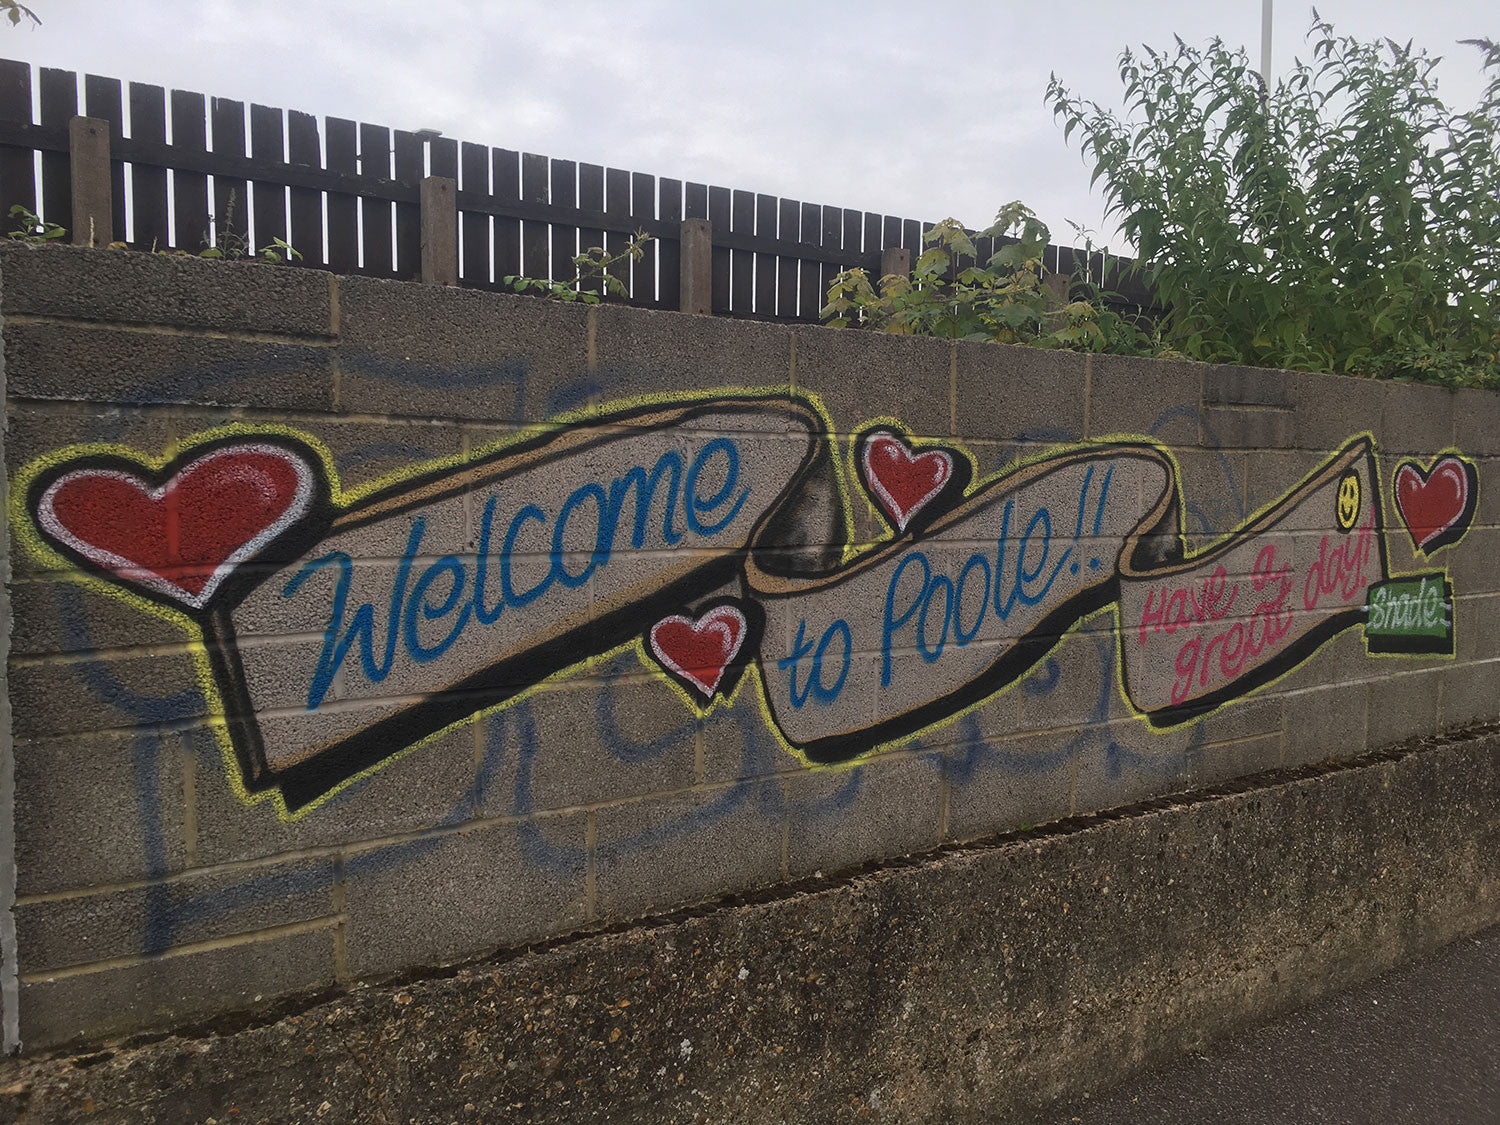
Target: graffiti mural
[(712, 537)]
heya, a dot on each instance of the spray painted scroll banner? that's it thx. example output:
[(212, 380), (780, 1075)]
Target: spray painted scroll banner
[(920, 629), (709, 533)]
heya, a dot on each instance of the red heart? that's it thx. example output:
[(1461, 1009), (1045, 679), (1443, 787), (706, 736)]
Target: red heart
[(1438, 504), (185, 537), (902, 481), (700, 650)]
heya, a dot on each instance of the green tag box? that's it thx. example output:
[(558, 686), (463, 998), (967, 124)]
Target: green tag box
[(1410, 615)]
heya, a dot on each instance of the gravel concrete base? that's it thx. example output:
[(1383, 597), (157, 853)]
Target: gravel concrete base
[(981, 984)]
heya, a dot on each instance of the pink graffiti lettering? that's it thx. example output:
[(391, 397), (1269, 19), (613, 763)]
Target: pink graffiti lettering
[(1242, 644), (1184, 607), (1342, 568)]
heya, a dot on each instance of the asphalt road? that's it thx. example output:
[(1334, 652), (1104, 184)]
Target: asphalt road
[(1420, 1044)]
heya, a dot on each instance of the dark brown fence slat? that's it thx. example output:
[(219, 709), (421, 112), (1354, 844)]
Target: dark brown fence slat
[(809, 290), (765, 264), (788, 213), (1099, 268), (376, 214), (669, 250), (231, 207), (591, 198), (890, 235), (742, 262), (911, 238), (534, 234), (617, 204), (305, 230), (1123, 281), (442, 159), (17, 166), (103, 98), (719, 215), (1090, 267), (59, 90), (268, 197), (563, 192), (986, 248), (1067, 262), (853, 238), (410, 157), (643, 210), (873, 243), (148, 184), (832, 239), (342, 141), (505, 174), (473, 227), (190, 214)]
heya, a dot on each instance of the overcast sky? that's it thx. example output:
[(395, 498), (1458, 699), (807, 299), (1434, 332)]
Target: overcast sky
[(917, 109)]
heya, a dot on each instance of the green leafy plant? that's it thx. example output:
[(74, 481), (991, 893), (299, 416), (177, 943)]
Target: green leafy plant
[(278, 250), (15, 11), (1344, 221), (228, 244), (29, 227), (1009, 298), (232, 245), (596, 271)]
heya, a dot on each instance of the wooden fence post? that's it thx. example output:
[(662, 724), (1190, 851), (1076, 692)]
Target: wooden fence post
[(88, 152), (697, 267), (439, 204), (895, 259), (1058, 286)]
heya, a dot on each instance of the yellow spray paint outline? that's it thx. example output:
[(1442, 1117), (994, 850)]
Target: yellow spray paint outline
[(26, 532)]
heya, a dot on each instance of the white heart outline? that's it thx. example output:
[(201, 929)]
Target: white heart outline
[(1446, 463), (893, 509), (130, 570), (712, 620)]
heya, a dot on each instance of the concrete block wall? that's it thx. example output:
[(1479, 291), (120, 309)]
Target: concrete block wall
[(164, 873)]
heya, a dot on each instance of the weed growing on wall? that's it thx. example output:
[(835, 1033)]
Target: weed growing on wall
[(30, 227), (595, 270), (1345, 221), (1007, 298)]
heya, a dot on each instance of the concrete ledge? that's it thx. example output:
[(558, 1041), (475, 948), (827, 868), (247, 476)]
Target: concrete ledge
[(982, 983), (165, 289)]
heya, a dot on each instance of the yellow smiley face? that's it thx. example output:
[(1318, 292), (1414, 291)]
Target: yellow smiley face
[(1348, 505)]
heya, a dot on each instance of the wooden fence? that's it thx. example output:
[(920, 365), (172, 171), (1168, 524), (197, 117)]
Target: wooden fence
[(186, 172)]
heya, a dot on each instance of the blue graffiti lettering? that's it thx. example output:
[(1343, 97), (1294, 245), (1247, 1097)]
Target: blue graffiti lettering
[(1028, 579), (335, 646), (815, 684), (705, 515)]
